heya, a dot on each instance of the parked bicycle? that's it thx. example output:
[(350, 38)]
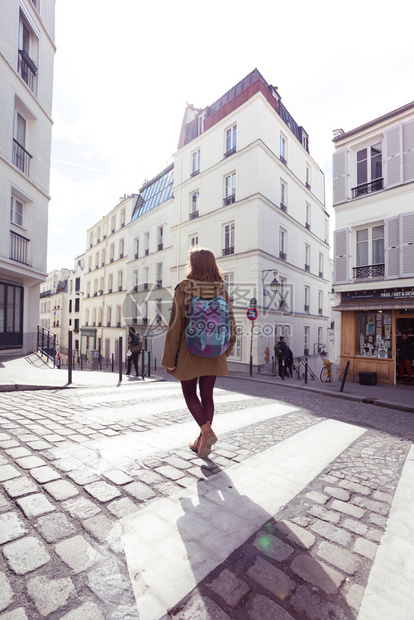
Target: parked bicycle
[(326, 374)]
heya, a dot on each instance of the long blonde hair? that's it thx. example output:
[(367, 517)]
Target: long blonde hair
[(202, 266)]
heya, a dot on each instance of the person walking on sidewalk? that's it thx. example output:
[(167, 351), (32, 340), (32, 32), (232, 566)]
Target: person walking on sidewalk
[(134, 348), (204, 283), (406, 351)]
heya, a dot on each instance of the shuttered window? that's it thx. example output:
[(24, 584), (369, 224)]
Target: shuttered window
[(399, 236), (341, 256), (340, 176)]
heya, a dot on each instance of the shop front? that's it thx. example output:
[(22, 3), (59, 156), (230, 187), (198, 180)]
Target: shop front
[(372, 324)]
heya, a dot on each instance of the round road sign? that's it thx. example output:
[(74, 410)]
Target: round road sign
[(252, 314)]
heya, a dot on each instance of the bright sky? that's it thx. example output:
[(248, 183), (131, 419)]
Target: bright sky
[(124, 71)]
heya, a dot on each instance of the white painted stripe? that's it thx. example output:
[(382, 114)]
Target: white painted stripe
[(175, 542), (139, 392), (389, 592), (138, 446), (145, 409)]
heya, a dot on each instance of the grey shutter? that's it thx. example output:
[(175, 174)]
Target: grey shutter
[(340, 176), (407, 243), (392, 248), (393, 156), (408, 151), (341, 256)]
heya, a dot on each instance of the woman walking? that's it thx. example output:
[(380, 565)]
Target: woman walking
[(205, 282)]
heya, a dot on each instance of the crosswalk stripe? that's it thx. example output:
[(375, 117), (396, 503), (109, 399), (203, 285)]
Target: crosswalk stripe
[(389, 592), (138, 446), (175, 542)]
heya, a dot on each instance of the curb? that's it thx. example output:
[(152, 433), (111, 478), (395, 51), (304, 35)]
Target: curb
[(17, 387), (352, 397)]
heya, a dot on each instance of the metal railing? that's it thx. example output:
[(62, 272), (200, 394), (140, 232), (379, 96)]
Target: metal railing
[(46, 343), (21, 157), (28, 70), (369, 271), (19, 247), (368, 188)]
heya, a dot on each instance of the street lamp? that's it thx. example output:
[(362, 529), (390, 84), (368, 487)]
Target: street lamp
[(274, 285)]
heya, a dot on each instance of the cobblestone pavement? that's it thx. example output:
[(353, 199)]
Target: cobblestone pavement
[(61, 503)]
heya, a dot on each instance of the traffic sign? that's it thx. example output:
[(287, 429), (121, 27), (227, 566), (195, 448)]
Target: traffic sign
[(252, 314)]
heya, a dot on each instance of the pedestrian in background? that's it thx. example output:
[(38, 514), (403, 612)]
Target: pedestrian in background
[(289, 360), (134, 349), (204, 281), (406, 351), (281, 354)]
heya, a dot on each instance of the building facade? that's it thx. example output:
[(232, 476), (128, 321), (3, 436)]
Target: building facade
[(246, 186), (54, 306), (374, 242), (27, 51), (105, 282)]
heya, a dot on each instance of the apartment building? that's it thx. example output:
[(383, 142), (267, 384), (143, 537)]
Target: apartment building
[(105, 281), (54, 305), (246, 186), (27, 51), (373, 198), (150, 258), (75, 288)]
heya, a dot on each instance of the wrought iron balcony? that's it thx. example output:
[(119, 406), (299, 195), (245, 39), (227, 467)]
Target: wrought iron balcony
[(283, 207), (27, 69), (195, 172), (282, 255), (193, 215), (369, 271), (228, 200), (21, 157), (307, 268), (227, 251), (368, 188), (230, 152), (306, 308), (283, 160), (18, 248)]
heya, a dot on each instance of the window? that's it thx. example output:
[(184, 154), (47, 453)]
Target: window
[(122, 218), (16, 211), (228, 238), (160, 238), (146, 243), (230, 189), (113, 223), (307, 299), (159, 275), (284, 294), (101, 286), (87, 317), (282, 243), (112, 253), (370, 246), (307, 256), (77, 304), (118, 316), (97, 260), (94, 317), (90, 263), (121, 248), (369, 164), (320, 265), (21, 157), (88, 289), (283, 149), (194, 207), (77, 284), (90, 240), (229, 282), (320, 302), (320, 337), (195, 168), (135, 281), (98, 234), (146, 278), (11, 316), (136, 246), (120, 280), (236, 352), (108, 316), (95, 287), (28, 53), (374, 336), (103, 258), (307, 216), (283, 196), (193, 240), (201, 124), (110, 283), (306, 334), (308, 177), (231, 141)]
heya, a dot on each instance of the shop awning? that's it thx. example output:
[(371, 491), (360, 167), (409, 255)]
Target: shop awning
[(373, 307)]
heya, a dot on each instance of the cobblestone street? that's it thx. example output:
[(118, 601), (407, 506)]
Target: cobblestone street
[(323, 486)]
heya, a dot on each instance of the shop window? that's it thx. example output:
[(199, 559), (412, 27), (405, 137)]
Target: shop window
[(375, 334)]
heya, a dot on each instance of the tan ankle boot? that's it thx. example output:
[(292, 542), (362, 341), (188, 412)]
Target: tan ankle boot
[(208, 438), (194, 446)]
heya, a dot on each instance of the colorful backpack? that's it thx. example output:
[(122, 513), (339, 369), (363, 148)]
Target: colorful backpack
[(209, 326)]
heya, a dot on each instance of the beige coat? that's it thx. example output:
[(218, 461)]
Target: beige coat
[(176, 353)]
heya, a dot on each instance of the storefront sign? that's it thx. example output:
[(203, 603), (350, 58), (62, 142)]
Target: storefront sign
[(400, 293)]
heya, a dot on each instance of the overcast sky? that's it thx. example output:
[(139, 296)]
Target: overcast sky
[(124, 71)]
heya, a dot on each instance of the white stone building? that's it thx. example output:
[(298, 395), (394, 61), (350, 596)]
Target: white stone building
[(54, 305), (374, 242), (75, 295), (27, 51), (246, 186), (105, 282)]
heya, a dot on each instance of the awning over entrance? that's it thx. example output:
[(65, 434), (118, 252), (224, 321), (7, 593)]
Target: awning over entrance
[(372, 307)]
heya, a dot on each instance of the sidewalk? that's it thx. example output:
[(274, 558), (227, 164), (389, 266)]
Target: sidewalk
[(31, 372)]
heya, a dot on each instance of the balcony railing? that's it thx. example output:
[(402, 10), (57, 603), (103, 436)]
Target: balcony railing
[(369, 271), (306, 308), (160, 246), (230, 152), (282, 255), (18, 248), (283, 207), (21, 157), (193, 215), (195, 172), (227, 251), (368, 188), (27, 69), (307, 268), (228, 200), (283, 160)]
